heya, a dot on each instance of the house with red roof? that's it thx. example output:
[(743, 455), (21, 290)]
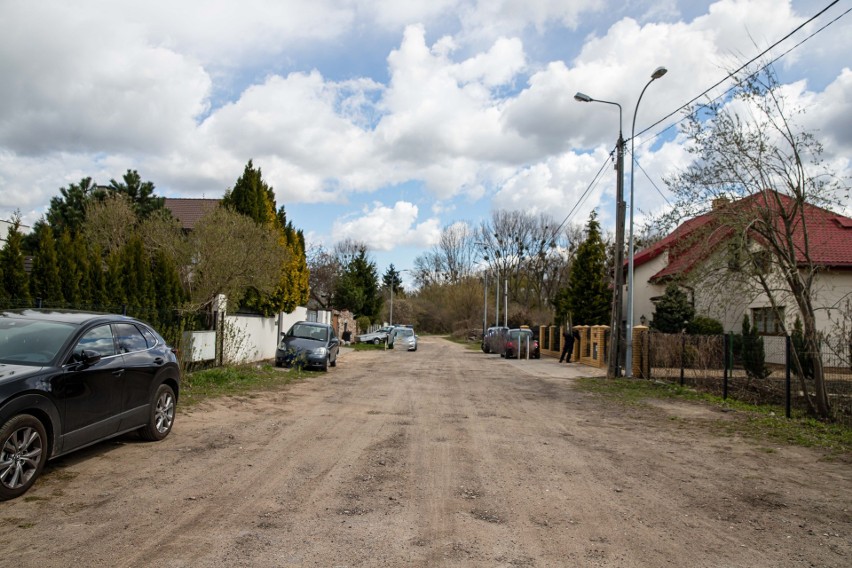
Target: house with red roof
[(715, 258)]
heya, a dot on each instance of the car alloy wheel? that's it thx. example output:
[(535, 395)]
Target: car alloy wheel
[(164, 413), (22, 455)]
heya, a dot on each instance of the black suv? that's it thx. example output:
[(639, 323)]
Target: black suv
[(71, 379)]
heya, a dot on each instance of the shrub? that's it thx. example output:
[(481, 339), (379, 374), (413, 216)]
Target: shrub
[(702, 325), (753, 353)]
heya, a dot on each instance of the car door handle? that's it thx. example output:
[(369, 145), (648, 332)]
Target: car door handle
[(118, 373)]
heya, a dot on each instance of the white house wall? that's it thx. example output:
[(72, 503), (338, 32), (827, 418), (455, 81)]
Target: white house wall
[(643, 290)]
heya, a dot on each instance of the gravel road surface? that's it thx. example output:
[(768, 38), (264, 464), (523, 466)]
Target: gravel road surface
[(439, 457)]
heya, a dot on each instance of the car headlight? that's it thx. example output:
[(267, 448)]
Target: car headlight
[(320, 351)]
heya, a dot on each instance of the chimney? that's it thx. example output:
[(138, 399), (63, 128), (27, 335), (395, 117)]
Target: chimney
[(720, 203)]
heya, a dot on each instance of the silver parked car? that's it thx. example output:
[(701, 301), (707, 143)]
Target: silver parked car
[(403, 338), (376, 337)]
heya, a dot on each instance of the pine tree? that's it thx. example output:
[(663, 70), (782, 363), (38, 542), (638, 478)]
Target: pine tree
[(15, 280), (358, 287), (588, 297), (140, 194), (45, 282), (391, 279)]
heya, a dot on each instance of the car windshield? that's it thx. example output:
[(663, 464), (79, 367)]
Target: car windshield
[(516, 333), (305, 331), (28, 342), (405, 332)]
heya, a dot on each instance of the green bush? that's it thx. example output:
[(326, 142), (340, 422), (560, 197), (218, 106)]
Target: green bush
[(806, 358), (363, 324), (753, 353), (702, 325)]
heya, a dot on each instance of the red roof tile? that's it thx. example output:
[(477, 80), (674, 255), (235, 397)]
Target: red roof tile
[(829, 235), (188, 211)]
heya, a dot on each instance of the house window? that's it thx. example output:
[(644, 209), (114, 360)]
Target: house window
[(311, 316), (767, 321)]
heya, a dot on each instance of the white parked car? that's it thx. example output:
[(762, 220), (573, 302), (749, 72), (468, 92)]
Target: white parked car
[(403, 338)]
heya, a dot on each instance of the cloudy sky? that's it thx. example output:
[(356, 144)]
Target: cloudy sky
[(385, 120)]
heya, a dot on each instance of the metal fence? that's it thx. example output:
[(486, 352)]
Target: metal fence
[(714, 363)]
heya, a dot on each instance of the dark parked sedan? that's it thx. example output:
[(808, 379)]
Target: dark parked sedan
[(70, 379), (516, 343), (308, 344)]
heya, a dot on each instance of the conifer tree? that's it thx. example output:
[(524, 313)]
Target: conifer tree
[(45, 282), (588, 297), (15, 280), (753, 354), (137, 281), (252, 197), (169, 292), (72, 269), (96, 295), (673, 311)]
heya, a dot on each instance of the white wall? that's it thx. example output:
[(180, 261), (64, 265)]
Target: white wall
[(249, 338), (643, 290)]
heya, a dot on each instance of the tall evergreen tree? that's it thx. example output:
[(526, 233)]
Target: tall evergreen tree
[(69, 210), (251, 196), (95, 294), (588, 297), (141, 194), (45, 282), (391, 279), (169, 293), (358, 287), (15, 280), (137, 281), (73, 268), (115, 295)]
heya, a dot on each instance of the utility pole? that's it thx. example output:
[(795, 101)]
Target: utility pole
[(614, 362)]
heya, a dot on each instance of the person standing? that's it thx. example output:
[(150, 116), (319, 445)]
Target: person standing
[(567, 345)]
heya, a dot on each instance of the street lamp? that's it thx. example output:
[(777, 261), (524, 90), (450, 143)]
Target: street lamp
[(658, 72), (614, 363)]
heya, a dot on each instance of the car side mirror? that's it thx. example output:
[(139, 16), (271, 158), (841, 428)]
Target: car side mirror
[(89, 357)]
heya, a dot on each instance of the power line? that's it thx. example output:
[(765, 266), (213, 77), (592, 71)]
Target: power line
[(585, 194), (749, 62)]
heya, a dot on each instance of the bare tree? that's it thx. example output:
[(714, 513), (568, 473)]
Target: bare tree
[(451, 260), (230, 253), (325, 269), (749, 148), (109, 222)]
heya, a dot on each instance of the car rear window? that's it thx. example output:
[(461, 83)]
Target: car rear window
[(130, 339)]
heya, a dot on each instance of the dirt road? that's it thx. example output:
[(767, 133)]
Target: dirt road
[(440, 457)]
